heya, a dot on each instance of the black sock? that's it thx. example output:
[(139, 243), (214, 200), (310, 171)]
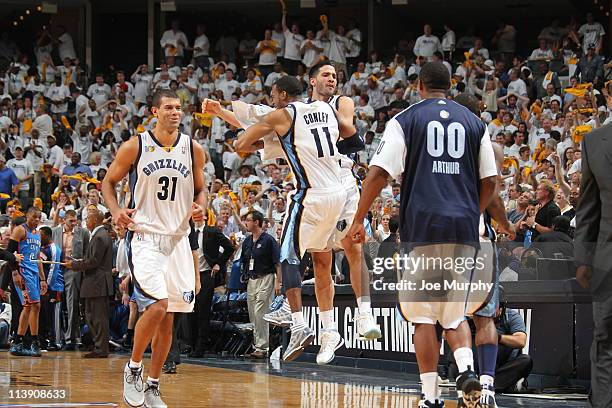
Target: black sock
[(130, 333), (35, 338), (18, 339)]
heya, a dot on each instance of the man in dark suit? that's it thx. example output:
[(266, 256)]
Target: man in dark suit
[(593, 252), (73, 240), (97, 283), (212, 265)]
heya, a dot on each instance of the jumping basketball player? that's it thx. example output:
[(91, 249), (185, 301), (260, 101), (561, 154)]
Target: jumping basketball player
[(445, 155), (308, 134), (29, 281), (324, 82), (167, 189)]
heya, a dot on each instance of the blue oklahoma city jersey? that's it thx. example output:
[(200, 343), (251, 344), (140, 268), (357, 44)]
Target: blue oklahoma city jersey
[(54, 272), (446, 151), (30, 249)]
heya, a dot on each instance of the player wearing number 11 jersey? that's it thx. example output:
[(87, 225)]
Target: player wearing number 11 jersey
[(449, 174)]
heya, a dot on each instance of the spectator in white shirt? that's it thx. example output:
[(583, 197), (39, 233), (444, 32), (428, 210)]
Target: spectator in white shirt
[(229, 85), (65, 44), (268, 50), (123, 86), (55, 154), (592, 33), (100, 92), (82, 142), (335, 45), (24, 172), (427, 44), (359, 78), (448, 42), (353, 35), (142, 80), (43, 122), (517, 86), (58, 95), (201, 47), (274, 76), (251, 87), (543, 52), (310, 49), (293, 43), (478, 49), (173, 42)]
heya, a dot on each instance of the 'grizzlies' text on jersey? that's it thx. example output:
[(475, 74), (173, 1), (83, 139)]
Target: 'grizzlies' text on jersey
[(310, 145), (161, 184)]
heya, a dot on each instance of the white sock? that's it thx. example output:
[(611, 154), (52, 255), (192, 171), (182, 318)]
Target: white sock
[(464, 358), (487, 380), (365, 306), (285, 307), (430, 386), (134, 364), (153, 381), (327, 320), (298, 320)]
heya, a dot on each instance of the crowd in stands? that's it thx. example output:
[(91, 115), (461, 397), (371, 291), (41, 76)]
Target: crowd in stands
[(60, 128)]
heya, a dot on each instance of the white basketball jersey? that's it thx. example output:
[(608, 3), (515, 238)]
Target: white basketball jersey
[(310, 145), (161, 184), (346, 163)]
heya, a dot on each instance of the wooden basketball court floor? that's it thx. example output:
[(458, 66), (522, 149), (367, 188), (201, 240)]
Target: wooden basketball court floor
[(215, 383)]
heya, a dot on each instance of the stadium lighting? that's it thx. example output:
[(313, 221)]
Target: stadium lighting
[(27, 12), (15, 23), (38, 8), (21, 18)]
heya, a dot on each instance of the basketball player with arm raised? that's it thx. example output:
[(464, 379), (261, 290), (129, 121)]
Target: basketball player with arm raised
[(449, 178), (167, 190), (308, 133)]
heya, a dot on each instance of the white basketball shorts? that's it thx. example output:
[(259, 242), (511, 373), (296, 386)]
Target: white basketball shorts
[(162, 268), (348, 212), (311, 220)]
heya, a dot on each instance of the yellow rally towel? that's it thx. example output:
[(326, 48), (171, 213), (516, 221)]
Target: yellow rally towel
[(496, 122), (585, 85), (211, 219), (205, 119), (68, 78), (580, 131), (527, 171), (576, 92), (547, 79), (4, 196), (27, 125), (510, 161), (65, 122), (586, 110)]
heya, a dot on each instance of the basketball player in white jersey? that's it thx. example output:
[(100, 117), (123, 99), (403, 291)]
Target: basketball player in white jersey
[(167, 190), (324, 82), (308, 133)]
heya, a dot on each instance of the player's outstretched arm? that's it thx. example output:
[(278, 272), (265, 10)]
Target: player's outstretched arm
[(119, 168), (277, 121), (200, 198), (214, 108)]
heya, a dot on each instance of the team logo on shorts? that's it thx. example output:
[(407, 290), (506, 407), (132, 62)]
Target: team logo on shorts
[(341, 225), (188, 296)]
